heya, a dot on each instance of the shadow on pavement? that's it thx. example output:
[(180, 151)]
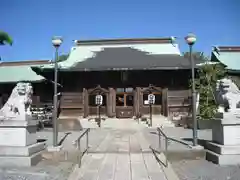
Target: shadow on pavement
[(201, 142), (69, 124)]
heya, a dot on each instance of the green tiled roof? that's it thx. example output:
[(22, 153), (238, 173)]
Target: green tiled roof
[(230, 59), (83, 52), (10, 74)]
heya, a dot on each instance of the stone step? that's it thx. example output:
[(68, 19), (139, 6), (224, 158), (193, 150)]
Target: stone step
[(127, 123), (222, 159), (20, 161), (223, 149)]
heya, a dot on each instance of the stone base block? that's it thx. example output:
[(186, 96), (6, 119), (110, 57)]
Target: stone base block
[(20, 161), (17, 133), (21, 151), (21, 156), (223, 159), (223, 149)]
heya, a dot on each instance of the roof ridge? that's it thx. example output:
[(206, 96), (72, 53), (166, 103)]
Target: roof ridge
[(170, 39), (232, 48), (24, 63)]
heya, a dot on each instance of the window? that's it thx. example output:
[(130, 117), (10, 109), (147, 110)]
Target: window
[(122, 90), (158, 99), (91, 100)]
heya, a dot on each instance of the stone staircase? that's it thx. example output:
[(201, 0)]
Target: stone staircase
[(128, 123)]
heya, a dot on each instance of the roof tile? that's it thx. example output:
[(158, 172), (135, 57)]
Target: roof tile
[(82, 52), (12, 74)]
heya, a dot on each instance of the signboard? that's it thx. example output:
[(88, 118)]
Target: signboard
[(151, 98), (99, 100)]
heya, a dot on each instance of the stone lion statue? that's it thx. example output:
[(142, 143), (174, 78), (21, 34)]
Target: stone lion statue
[(18, 104), (228, 94)]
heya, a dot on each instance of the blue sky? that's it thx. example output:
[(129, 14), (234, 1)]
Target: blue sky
[(32, 23)]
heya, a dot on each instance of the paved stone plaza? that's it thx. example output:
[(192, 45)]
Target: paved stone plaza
[(123, 154)]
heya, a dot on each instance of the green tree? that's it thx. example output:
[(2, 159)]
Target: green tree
[(5, 38), (196, 56), (63, 57), (207, 77)]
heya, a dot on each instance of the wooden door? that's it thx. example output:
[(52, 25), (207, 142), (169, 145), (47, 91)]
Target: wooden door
[(92, 107), (124, 102)]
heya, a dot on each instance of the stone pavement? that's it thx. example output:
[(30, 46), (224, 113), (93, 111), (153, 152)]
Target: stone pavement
[(121, 155), (45, 170), (200, 169), (189, 167), (186, 168)]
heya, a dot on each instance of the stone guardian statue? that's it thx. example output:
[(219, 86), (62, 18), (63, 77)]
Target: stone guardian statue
[(18, 104)]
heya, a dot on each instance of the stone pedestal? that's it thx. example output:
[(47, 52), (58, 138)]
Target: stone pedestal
[(18, 143), (225, 148)]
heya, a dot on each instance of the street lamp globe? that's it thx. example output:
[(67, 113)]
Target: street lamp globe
[(190, 39), (57, 41)]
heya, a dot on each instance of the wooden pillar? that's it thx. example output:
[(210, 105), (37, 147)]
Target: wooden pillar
[(1, 102), (137, 101), (113, 92), (165, 108), (109, 103), (85, 103), (140, 102)]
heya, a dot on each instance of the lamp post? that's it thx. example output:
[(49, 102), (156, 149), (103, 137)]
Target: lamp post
[(190, 40), (56, 41)]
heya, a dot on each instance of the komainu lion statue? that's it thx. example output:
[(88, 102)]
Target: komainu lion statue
[(18, 104), (228, 94)]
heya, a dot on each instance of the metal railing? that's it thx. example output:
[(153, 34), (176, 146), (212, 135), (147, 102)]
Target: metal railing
[(78, 142), (161, 136)]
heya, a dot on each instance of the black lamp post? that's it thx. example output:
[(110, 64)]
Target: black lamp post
[(56, 41), (190, 40)]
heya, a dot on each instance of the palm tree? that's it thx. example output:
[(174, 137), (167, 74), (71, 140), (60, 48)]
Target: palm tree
[(5, 39)]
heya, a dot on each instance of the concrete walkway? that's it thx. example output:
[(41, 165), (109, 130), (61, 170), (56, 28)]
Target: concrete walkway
[(121, 155)]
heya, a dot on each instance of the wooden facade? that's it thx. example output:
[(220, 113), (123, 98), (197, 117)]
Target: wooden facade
[(124, 93)]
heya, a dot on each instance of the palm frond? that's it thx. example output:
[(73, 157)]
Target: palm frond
[(5, 38)]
